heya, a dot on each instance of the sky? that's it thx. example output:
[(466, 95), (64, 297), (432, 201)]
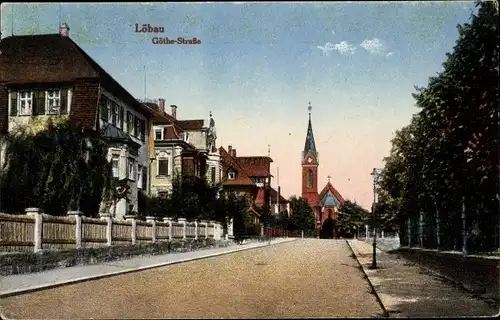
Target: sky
[(259, 65)]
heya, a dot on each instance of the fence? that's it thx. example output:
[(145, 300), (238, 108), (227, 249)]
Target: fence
[(36, 231)]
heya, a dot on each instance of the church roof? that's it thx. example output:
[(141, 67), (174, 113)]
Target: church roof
[(310, 145), (329, 196)]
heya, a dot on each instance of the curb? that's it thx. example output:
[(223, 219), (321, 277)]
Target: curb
[(11, 293), (384, 310)]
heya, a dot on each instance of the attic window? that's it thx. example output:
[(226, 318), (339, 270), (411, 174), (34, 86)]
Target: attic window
[(158, 133), (231, 174)]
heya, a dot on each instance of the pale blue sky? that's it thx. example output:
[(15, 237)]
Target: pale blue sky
[(259, 64)]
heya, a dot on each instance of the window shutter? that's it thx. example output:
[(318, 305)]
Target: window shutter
[(144, 178), (13, 103), (104, 108), (39, 103), (122, 118), (64, 101)]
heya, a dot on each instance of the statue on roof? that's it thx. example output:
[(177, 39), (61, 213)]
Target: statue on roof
[(211, 135)]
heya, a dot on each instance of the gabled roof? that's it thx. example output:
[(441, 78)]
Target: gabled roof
[(310, 144), (255, 166), (52, 58), (330, 196), (191, 124), (274, 196), (229, 162)]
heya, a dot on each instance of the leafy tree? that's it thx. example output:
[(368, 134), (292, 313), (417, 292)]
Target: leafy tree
[(351, 218), (302, 215), (59, 168)]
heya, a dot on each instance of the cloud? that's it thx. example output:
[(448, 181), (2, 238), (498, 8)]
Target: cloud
[(389, 54), (344, 48), (373, 46)]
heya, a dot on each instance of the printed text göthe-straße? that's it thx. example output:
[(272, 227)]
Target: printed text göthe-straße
[(147, 28)]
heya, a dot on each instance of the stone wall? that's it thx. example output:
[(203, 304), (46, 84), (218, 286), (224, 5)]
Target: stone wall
[(27, 262), (477, 274)]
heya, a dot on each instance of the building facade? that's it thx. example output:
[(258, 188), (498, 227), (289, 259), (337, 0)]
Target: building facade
[(181, 147), (50, 78)]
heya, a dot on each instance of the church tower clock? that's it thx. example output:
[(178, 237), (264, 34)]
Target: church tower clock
[(310, 163)]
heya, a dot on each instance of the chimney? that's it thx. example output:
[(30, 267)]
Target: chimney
[(174, 111), (234, 153), (230, 150), (161, 105), (64, 30)]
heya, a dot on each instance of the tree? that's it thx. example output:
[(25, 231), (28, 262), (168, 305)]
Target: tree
[(57, 169), (302, 215), (351, 218), (447, 158)]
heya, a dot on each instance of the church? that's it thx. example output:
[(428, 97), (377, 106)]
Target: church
[(326, 203)]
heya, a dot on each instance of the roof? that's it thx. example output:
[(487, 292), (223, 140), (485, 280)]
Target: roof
[(310, 145), (52, 58), (115, 134), (229, 162), (255, 166), (274, 197), (190, 125), (330, 196)]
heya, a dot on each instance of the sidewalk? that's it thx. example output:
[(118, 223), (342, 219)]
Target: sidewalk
[(407, 290), (23, 283)]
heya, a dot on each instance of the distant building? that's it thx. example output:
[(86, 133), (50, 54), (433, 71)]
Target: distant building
[(247, 176), (185, 147), (49, 76)]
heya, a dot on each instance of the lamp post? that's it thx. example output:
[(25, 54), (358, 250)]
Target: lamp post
[(375, 174)]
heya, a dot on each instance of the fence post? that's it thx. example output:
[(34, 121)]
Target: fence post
[(366, 231), (409, 232), (78, 227), (152, 220), (464, 228), (206, 228), (169, 220), (438, 237), (195, 230), (230, 231), (134, 227), (109, 227), (37, 213), (382, 234), (214, 226), (183, 221), (421, 229), (261, 230)]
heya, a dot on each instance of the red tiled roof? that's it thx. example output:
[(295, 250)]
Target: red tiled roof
[(229, 162), (274, 196), (191, 124), (329, 187), (255, 166)]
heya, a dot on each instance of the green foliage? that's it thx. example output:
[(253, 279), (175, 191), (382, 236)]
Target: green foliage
[(302, 217), (57, 169), (351, 218), (448, 155)]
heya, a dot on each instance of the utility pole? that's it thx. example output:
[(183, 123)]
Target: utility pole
[(374, 215)]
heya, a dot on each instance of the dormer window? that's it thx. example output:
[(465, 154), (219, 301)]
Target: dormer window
[(231, 174), (158, 133)]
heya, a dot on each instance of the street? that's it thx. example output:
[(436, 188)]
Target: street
[(304, 278)]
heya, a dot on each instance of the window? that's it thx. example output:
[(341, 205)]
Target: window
[(231, 174), (145, 178), (130, 123), (162, 167), (25, 103), (159, 134), (309, 179), (186, 136), (104, 109), (137, 128), (53, 101), (139, 177), (114, 116), (131, 169), (212, 174), (142, 130), (115, 165), (130, 208), (162, 194), (121, 116), (13, 103)]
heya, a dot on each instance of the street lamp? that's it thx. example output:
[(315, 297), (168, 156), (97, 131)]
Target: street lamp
[(375, 173)]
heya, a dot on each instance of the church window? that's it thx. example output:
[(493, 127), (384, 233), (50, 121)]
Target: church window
[(309, 179)]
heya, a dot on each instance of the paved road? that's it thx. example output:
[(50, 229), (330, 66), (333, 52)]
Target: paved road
[(304, 278)]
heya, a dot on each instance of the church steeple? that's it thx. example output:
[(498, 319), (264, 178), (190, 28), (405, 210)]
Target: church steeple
[(310, 145)]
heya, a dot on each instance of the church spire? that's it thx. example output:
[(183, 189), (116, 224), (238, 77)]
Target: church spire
[(310, 145)]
